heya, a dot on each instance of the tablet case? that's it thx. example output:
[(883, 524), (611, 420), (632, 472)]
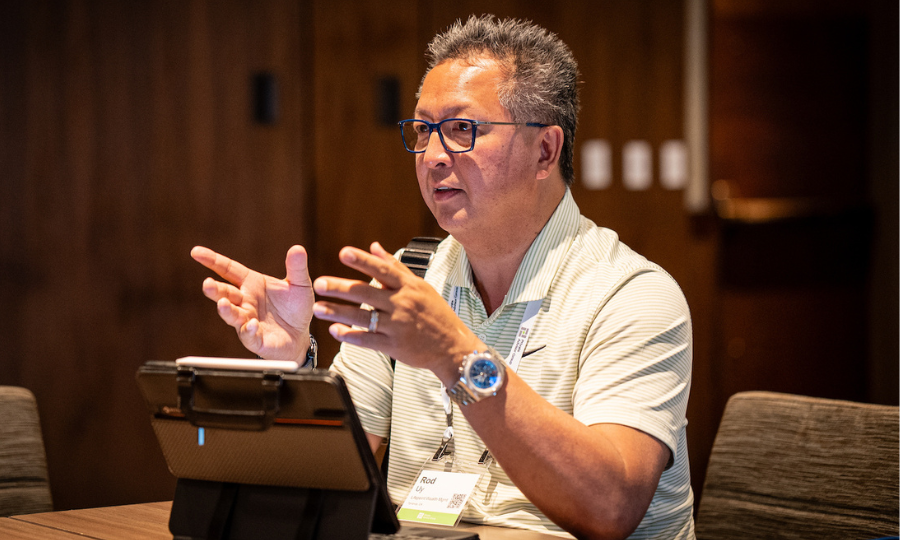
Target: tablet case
[(264, 455)]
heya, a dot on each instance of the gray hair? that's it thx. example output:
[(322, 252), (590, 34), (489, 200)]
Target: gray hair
[(540, 72)]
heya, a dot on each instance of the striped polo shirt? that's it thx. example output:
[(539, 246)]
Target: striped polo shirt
[(611, 344)]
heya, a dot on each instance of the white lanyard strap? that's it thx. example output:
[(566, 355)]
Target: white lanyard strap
[(513, 360), (518, 348)]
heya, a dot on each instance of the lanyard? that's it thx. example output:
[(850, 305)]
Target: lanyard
[(513, 361)]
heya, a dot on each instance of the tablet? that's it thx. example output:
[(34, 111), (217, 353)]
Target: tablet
[(268, 430), (276, 428)]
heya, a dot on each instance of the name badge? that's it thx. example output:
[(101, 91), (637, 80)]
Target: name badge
[(438, 497)]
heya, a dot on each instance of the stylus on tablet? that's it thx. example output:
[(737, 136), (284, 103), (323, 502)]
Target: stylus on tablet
[(244, 364)]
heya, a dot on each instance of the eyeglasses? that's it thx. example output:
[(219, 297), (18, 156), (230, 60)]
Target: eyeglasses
[(457, 134)]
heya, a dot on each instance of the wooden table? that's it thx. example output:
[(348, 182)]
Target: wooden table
[(136, 522), (150, 521)]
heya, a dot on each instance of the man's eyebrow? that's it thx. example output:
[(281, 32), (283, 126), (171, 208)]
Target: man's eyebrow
[(446, 113)]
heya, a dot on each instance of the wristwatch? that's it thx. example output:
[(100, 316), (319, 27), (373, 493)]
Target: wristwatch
[(481, 375), (312, 353)]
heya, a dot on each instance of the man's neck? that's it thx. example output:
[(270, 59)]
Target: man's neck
[(494, 275), (496, 259)]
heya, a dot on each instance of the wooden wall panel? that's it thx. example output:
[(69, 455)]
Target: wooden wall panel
[(366, 188), (128, 138)]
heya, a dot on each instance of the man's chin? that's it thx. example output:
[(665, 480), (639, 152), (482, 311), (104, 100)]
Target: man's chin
[(452, 223)]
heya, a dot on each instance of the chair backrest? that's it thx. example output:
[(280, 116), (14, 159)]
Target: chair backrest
[(24, 484), (786, 466)]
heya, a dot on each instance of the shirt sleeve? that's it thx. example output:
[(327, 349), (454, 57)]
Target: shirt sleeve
[(635, 368), (370, 380), (369, 377)]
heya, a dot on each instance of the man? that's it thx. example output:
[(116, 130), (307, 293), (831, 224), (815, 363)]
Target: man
[(587, 425)]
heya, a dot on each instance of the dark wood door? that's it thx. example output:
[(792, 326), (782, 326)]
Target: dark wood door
[(788, 157)]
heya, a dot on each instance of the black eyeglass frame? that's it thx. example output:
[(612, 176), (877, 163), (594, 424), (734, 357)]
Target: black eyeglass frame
[(435, 126)]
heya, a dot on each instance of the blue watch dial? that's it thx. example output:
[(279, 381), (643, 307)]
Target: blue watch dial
[(484, 374)]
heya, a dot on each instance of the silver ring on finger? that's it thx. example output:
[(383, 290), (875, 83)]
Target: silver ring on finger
[(373, 321)]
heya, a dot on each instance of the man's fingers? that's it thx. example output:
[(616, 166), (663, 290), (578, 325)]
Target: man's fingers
[(249, 335), (376, 249), (233, 316), (247, 327), (228, 269), (346, 314), (296, 265), (203, 255), (215, 291), (361, 338), (384, 268), (353, 291)]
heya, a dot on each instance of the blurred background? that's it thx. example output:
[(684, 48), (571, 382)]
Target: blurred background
[(750, 147)]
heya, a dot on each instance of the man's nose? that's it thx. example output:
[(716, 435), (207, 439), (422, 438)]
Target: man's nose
[(435, 153)]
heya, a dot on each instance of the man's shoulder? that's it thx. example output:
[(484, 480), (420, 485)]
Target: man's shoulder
[(602, 250)]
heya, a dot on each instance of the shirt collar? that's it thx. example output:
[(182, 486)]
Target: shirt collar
[(538, 268)]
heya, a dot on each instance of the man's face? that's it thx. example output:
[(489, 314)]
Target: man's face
[(493, 185)]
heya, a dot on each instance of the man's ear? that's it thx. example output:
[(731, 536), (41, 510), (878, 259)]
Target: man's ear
[(551, 143)]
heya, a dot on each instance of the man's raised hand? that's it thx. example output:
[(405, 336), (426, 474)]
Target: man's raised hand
[(271, 316), (415, 324)]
